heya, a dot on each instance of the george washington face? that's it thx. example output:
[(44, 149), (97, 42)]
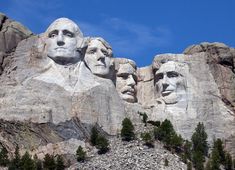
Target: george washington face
[(62, 41)]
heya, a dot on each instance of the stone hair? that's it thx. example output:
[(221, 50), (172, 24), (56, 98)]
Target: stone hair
[(119, 61), (77, 29), (105, 43)]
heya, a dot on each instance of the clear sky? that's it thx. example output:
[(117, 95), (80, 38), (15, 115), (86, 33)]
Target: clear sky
[(136, 29)]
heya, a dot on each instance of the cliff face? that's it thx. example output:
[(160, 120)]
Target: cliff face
[(50, 105)]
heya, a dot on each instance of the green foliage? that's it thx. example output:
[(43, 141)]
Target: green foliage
[(208, 165), (60, 163), (4, 157), (127, 131), (233, 163), (102, 144), (15, 163), (81, 155), (38, 162), (27, 163), (154, 123), (165, 131), (145, 117), (166, 162), (176, 141), (199, 146), (167, 134), (199, 139), (215, 159), (228, 162), (49, 162), (148, 139), (218, 145), (187, 149), (189, 166), (94, 136), (198, 159)]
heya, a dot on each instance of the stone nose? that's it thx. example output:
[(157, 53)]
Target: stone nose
[(100, 55), (60, 39), (165, 79), (131, 81)]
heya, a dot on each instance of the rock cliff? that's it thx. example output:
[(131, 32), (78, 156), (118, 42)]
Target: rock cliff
[(51, 93)]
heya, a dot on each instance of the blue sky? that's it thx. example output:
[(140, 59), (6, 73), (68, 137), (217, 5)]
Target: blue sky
[(136, 29)]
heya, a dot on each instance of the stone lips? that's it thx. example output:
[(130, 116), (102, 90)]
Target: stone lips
[(36, 89)]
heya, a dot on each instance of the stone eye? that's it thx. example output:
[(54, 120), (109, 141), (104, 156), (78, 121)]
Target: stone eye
[(105, 52), (91, 51), (158, 76), (53, 34), (172, 74), (68, 33), (124, 76)]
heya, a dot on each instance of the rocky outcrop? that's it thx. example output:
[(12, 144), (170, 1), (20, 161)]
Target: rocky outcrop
[(186, 92), (131, 155), (41, 138), (221, 61), (49, 100), (11, 33)]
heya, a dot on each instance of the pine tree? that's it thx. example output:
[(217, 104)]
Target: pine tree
[(148, 139), (38, 162), (4, 157), (60, 163), (102, 144), (165, 131), (27, 163), (166, 162), (189, 166), (215, 159), (199, 146), (49, 162), (176, 142), (228, 162), (208, 165), (198, 159), (81, 155), (145, 117), (127, 131), (167, 134), (15, 163), (218, 144), (233, 163), (199, 139), (187, 149), (94, 135)]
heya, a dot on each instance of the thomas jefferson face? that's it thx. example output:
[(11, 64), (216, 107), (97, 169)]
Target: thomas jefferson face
[(98, 58), (62, 41), (170, 84), (126, 82)]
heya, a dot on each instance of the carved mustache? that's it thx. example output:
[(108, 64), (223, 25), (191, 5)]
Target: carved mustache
[(128, 89)]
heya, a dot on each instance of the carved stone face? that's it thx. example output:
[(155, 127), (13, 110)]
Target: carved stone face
[(126, 82), (170, 84), (98, 58), (62, 41)]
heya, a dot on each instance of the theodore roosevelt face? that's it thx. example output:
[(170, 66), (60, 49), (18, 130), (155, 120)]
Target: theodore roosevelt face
[(126, 82)]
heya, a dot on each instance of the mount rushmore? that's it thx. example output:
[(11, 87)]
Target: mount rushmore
[(55, 86)]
